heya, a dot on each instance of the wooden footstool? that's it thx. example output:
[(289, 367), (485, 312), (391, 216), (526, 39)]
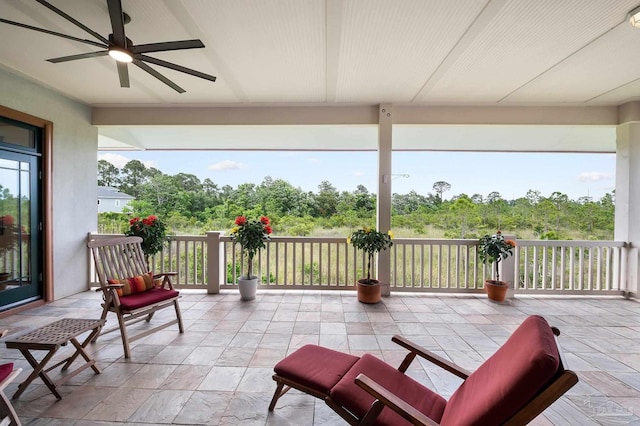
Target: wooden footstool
[(311, 369)]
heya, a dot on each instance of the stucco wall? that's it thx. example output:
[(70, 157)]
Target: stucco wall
[(75, 143)]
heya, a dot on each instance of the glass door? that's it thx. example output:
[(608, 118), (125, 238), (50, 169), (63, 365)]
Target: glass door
[(20, 259)]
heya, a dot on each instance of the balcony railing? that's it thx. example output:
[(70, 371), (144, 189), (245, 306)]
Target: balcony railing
[(214, 261)]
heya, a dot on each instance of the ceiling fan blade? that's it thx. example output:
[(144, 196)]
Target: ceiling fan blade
[(159, 76), (72, 20), (42, 30), (123, 74), (117, 23), (176, 67), (168, 45), (80, 56)]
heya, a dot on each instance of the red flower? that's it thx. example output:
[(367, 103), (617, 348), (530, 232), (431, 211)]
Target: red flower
[(133, 221), (8, 219), (241, 220), (147, 221), (264, 220), (152, 219), (268, 229)]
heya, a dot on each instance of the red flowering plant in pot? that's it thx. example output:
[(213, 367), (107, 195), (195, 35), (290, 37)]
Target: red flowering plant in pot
[(493, 249), (152, 231), (251, 235)]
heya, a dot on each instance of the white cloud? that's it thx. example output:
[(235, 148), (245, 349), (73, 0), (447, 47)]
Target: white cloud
[(315, 160), (594, 176), (358, 173), (227, 165), (120, 160)]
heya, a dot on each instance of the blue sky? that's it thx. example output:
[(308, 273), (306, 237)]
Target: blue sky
[(510, 174)]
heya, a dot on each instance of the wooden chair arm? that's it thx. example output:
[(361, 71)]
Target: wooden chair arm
[(110, 293), (167, 278), (162, 274), (15, 373), (416, 349), (392, 401)]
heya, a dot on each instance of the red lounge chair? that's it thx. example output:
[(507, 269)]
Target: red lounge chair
[(512, 387)]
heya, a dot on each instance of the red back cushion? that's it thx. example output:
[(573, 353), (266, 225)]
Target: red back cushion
[(507, 380), (134, 285)]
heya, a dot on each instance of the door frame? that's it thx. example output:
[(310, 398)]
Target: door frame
[(46, 205)]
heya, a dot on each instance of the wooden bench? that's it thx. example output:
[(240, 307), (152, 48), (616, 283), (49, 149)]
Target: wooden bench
[(129, 290)]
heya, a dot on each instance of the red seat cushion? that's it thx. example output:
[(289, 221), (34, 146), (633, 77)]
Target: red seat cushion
[(5, 370), (507, 380), (315, 367), (146, 298), (355, 399)]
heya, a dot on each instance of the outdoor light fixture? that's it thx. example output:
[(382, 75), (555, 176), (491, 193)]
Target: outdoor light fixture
[(634, 17), (120, 54)]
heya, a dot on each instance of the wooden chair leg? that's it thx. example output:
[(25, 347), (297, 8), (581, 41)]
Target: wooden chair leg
[(105, 311), (8, 411), (125, 336), (278, 393), (179, 316)]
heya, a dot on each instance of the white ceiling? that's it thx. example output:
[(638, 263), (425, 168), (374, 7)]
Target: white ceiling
[(342, 52)]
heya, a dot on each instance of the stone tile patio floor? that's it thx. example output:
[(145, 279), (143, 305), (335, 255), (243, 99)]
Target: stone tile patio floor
[(219, 371)]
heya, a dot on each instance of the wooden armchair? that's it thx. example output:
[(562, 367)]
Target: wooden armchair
[(512, 387), (8, 415), (129, 290)]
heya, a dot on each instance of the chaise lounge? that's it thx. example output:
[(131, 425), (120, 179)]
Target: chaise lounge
[(512, 387)]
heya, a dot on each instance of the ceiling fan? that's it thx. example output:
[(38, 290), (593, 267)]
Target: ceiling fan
[(122, 49)]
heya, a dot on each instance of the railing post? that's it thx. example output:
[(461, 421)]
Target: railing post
[(214, 262), (509, 270)]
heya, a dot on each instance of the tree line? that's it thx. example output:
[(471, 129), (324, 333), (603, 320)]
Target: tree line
[(190, 206)]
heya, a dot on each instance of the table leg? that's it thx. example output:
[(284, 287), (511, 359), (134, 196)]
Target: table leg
[(80, 350), (38, 370)]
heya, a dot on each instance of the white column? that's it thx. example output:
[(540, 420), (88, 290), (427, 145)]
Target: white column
[(215, 262), (384, 190), (627, 198)]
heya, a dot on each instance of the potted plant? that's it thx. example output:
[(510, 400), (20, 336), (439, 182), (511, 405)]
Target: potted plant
[(251, 236), (493, 249), (152, 231), (371, 242)]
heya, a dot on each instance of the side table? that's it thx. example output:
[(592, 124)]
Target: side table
[(50, 338)]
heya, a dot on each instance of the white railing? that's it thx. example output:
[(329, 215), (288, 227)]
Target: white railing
[(214, 261), (582, 267)]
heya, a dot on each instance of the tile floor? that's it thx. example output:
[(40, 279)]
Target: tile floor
[(219, 371)]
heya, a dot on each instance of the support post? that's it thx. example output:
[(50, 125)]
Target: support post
[(385, 144), (627, 211), (215, 260)]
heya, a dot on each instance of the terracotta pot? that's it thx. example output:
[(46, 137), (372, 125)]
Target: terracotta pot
[(496, 290), (369, 293)]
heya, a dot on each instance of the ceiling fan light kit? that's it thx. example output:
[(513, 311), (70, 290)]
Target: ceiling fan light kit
[(634, 17), (120, 55), (120, 48)]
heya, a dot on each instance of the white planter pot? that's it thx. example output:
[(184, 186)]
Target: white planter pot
[(248, 287)]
